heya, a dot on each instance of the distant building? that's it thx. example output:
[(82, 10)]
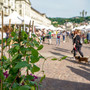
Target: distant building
[(55, 22)]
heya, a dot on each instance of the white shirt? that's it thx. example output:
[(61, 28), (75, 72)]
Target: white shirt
[(4, 35), (30, 34)]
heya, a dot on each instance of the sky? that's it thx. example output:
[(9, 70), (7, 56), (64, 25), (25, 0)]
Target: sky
[(61, 8)]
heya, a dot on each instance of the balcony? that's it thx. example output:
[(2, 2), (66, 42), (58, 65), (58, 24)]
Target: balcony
[(5, 5)]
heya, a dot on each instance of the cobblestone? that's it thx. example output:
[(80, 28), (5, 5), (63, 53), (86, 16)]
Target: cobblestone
[(67, 74)]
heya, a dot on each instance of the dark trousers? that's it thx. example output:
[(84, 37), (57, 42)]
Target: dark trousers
[(78, 49), (43, 38)]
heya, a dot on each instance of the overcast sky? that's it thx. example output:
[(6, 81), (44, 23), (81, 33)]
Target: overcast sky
[(61, 8)]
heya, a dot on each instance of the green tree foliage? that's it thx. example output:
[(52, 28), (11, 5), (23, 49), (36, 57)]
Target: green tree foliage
[(61, 21)]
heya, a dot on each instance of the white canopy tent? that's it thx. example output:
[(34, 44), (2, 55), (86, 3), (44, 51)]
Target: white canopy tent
[(59, 28), (27, 20), (80, 28), (41, 27), (87, 28), (52, 27), (15, 18)]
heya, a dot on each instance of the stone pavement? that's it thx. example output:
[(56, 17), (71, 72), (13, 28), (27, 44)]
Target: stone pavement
[(67, 74)]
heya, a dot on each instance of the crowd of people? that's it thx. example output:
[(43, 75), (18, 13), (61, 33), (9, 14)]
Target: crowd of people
[(49, 34), (77, 37)]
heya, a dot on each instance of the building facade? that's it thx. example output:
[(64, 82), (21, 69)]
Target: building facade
[(23, 7), (8, 6)]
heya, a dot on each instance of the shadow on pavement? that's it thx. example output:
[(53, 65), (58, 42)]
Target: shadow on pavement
[(75, 61), (80, 72), (62, 50), (85, 68), (86, 47), (57, 54), (55, 84)]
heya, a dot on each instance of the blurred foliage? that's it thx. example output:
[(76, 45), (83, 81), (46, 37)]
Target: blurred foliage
[(61, 21)]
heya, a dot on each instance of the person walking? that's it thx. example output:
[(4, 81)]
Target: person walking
[(58, 39), (67, 36), (88, 36), (43, 36), (77, 43), (49, 36), (64, 34)]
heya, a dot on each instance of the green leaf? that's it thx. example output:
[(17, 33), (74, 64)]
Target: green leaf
[(34, 59), (1, 75), (25, 87), (4, 40), (33, 35), (13, 34), (15, 44), (31, 44), (36, 43), (42, 78), (15, 56), (34, 52), (35, 69), (63, 58), (4, 58), (21, 64), (23, 50), (9, 40), (17, 47), (24, 35), (29, 77), (25, 41), (40, 47), (27, 58), (33, 88), (54, 59)]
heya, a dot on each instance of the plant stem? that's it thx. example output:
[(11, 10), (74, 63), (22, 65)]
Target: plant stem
[(2, 51), (14, 80)]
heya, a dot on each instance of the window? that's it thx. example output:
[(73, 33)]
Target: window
[(20, 5), (20, 12), (4, 1)]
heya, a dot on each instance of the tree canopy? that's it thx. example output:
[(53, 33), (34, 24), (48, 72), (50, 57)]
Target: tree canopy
[(60, 21)]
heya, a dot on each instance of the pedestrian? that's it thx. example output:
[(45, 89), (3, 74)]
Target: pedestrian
[(49, 36), (88, 36), (58, 39), (77, 43), (64, 34), (67, 36), (43, 36)]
